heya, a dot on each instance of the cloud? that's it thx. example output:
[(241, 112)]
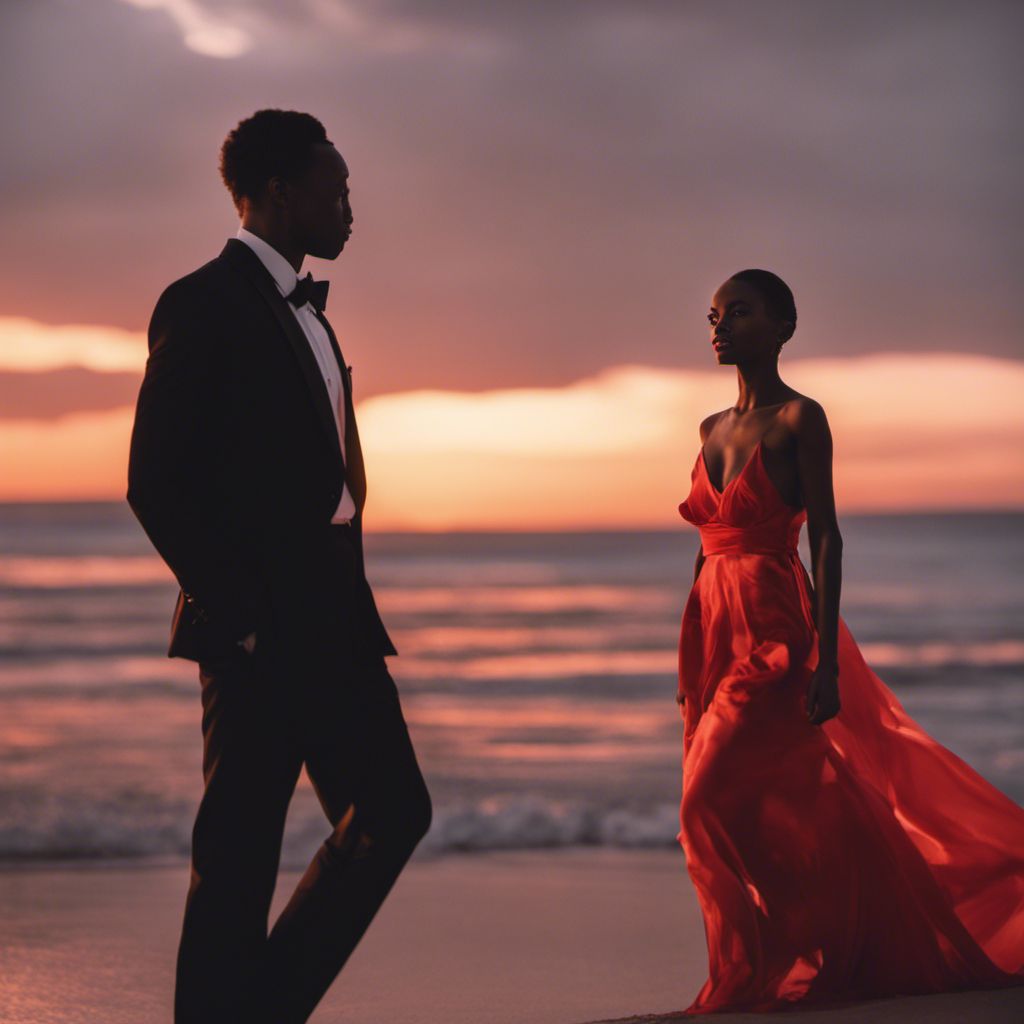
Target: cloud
[(29, 345), (929, 431), (202, 32), (619, 412), (541, 190), (53, 394), (48, 372), (618, 449)]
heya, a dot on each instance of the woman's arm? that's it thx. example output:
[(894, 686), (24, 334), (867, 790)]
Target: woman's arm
[(814, 463), (705, 428), (680, 696)]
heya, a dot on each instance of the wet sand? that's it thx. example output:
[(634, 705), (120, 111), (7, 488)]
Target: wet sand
[(517, 938)]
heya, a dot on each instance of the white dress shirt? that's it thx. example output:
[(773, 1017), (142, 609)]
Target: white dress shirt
[(285, 277)]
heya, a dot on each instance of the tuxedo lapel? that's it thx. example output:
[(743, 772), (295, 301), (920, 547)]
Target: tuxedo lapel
[(249, 265), (355, 473)]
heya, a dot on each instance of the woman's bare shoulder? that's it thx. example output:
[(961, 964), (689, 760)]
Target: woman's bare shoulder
[(805, 417), (708, 424)]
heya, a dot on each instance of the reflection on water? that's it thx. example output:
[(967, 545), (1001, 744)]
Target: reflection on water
[(73, 572), (537, 674)]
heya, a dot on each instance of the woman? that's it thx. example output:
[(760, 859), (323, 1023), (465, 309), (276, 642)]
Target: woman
[(838, 851)]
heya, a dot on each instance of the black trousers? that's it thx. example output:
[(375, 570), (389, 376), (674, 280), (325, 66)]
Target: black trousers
[(364, 771)]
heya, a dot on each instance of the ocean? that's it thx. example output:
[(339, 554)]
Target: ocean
[(537, 673)]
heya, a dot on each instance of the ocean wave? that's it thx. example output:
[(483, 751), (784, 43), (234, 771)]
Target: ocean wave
[(83, 571), (73, 827), (942, 654), (141, 826), (534, 823), (87, 676), (91, 674)]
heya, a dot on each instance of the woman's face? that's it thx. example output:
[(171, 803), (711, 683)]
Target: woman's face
[(741, 329)]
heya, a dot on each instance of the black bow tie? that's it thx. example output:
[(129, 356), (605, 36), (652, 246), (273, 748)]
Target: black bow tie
[(308, 290)]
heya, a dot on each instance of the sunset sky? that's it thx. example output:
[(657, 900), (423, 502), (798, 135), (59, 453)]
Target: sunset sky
[(546, 195)]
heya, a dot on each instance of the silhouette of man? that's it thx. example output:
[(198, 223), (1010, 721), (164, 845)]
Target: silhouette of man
[(247, 475)]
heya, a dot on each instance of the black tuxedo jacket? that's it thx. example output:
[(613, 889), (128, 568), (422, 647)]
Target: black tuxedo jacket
[(235, 470)]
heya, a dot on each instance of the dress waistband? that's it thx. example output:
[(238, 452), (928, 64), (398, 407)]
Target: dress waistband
[(748, 549), (718, 539)]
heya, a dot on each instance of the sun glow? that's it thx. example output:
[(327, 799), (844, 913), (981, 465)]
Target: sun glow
[(609, 451)]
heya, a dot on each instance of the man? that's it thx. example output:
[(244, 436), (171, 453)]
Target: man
[(246, 473)]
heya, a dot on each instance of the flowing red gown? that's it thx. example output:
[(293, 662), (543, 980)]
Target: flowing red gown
[(847, 861)]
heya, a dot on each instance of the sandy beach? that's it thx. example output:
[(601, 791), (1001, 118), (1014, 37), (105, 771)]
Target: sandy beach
[(538, 937)]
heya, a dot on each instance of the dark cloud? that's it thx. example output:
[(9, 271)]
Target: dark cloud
[(50, 394), (541, 189)]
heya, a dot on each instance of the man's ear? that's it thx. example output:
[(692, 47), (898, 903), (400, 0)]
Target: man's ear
[(277, 191)]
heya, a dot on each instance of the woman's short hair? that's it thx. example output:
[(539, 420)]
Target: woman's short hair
[(778, 298)]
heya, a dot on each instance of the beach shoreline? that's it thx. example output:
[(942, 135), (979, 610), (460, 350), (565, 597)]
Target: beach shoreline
[(534, 937)]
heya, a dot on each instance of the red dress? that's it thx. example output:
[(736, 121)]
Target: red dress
[(840, 862)]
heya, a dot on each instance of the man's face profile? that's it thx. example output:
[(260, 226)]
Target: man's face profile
[(320, 207)]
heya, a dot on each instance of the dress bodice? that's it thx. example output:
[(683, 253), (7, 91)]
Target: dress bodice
[(748, 517)]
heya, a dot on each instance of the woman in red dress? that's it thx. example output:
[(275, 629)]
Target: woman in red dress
[(838, 851)]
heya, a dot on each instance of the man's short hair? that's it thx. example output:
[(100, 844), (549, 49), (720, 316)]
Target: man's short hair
[(270, 144)]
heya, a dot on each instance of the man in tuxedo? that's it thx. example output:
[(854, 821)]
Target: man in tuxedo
[(247, 475)]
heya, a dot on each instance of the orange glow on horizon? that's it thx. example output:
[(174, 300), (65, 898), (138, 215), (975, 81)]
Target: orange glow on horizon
[(614, 450)]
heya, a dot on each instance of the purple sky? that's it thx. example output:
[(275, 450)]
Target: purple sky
[(541, 190)]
